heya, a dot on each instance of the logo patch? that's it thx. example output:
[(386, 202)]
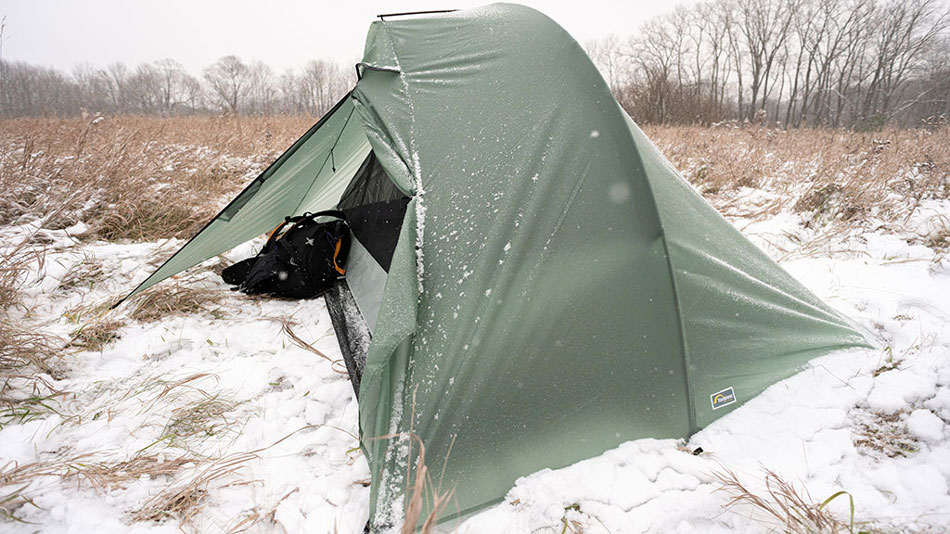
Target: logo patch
[(722, 398)]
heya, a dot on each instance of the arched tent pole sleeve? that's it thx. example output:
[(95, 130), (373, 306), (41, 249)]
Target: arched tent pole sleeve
[(233, 207)]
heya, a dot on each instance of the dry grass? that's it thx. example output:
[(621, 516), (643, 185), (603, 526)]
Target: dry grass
[(28, 358), (147, 178), (171, 299), (96, 329), (286, 326), (83, 274), (836, 179), (182, 500), (571, 526), (421, 492), (109, 475), (259, 516), (792, 509), (203, 418), (15, 482), (198, 414), (137, 178), (95, 335), (23, 350), (882, 434), (187, 479), (17, 261)]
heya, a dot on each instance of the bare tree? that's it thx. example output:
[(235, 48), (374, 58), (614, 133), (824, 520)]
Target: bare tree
[(321, 83), (608, 55), (229, 79), (261, 94), (798, 62), (192, 94), (115, 79), (907, 29), (764, 26)]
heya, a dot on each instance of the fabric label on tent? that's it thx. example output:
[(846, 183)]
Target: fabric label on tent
[(722, 398)]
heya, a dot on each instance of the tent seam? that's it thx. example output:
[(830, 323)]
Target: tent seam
[(416, 167), (692, 426), (419, 223), (690, 405)]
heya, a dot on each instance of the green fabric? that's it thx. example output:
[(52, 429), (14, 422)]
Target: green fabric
[(748, 323), (304, 179), (533, 316), (557, 288)]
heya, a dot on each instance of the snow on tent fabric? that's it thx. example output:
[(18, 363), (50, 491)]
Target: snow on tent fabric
[(526, 258)]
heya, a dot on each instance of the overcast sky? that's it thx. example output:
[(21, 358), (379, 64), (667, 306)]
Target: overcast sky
[(284, 34)]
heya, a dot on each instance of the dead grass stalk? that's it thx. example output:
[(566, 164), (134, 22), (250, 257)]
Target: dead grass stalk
[(786, 505)]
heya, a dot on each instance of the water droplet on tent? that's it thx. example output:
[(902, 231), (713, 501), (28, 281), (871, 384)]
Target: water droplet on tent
[(282, 275), (619, 192), (594, 134)]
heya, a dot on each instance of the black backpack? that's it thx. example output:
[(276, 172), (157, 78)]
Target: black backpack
[(300, 263)]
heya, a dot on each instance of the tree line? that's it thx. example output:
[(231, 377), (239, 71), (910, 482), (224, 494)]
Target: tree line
[(230, 85), (852, 63), (855, 63)]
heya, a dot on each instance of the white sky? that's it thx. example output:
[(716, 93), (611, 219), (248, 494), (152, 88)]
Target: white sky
[(284, 34)]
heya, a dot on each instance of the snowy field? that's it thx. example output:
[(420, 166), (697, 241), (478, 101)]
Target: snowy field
[(198, 411)]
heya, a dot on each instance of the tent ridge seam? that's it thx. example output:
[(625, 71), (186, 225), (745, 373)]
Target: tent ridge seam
[(677, 308), (690, 405)]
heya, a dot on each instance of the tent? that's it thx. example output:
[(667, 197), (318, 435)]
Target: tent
[(531, 282)]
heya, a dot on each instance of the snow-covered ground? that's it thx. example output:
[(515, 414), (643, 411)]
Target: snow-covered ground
[(213, 420)]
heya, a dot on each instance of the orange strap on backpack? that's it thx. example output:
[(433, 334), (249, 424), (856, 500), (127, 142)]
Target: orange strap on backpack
[(336, 252)]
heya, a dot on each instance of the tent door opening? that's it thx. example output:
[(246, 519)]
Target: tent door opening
[(375, 209)]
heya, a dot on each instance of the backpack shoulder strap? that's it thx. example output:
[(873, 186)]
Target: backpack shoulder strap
[(325, 213), (275, 233)]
